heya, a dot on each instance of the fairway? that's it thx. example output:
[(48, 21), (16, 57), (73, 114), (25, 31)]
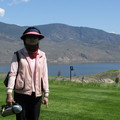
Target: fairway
[(77, 101)]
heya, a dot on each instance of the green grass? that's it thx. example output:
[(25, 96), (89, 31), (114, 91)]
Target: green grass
[(112, 71), (77, 101)]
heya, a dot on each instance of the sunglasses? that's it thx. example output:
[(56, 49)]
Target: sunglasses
[(32, 36)]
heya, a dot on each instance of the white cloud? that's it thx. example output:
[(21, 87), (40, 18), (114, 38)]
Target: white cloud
[(2, 12), (25, 0), (13, 2), (113, 32)]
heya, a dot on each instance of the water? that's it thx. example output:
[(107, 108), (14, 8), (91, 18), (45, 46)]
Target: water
[(79, 69), (82, 69)]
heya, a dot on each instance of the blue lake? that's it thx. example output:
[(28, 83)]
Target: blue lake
[(79, 69)]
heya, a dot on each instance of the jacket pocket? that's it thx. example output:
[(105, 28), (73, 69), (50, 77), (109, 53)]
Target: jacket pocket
[(27, 85), (19, 82), (19, 85)]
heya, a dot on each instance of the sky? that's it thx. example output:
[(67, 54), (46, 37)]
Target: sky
[(99, 14)]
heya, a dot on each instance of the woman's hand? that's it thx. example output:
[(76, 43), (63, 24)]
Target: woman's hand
[(45, 101), (9, 99)]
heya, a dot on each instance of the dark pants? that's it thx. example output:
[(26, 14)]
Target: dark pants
[(30, 105)]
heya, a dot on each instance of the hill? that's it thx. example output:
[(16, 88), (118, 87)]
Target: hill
[(64, 44)]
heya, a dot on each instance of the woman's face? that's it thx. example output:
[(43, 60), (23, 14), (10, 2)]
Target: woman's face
[(31, 40)]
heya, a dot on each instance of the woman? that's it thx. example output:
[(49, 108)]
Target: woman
[(29, 77)]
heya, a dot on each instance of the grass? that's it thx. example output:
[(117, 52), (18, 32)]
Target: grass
[(77, 101), (112, 71)]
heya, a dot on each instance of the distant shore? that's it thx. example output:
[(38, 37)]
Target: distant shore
[(70, 63), (109, 76)]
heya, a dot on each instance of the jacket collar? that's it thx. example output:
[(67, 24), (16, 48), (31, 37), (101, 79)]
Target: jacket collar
[(25, 53)]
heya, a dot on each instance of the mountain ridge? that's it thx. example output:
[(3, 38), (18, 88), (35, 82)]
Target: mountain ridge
[(64, 44)]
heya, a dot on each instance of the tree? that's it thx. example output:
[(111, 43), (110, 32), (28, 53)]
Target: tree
[(117, 80)]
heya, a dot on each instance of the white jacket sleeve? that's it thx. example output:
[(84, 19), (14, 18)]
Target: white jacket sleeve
[(45, 78), (13, 73)]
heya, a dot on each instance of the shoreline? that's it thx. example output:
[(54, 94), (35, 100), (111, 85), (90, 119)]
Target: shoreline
[(72, 63)]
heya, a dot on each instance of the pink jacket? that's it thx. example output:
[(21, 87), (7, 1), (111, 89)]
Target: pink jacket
[(23, 82)]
